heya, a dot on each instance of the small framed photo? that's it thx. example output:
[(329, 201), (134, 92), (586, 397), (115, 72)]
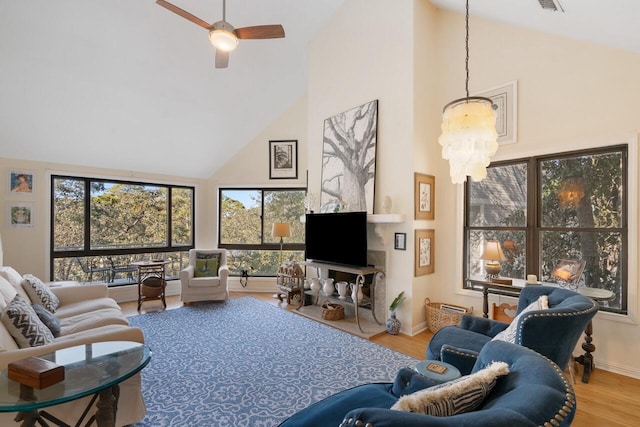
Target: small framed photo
[(425, 252), (400, 241), (424, 196), (20, 182), (505, 98), (283, 159), (21, 215)]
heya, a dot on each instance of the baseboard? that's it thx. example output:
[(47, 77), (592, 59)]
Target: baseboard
[(616, 369)]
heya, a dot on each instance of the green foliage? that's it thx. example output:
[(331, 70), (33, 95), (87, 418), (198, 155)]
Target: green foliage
[(397, 301)]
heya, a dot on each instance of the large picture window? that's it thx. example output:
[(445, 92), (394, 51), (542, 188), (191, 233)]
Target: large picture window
[(245, 221), (566, 210), (99, 227)]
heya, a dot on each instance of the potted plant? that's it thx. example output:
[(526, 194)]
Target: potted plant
[(393, 324)]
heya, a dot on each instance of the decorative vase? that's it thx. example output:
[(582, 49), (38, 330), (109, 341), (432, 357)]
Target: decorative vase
[(393, 324), (327, 289), (356, 292), (315, 285)]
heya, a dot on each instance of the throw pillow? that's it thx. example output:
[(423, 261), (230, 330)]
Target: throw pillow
[(15, 279), (7, 292), (509, 334), (48, 318), (24, 325), (454, 397), (40, 293), (207, 265)]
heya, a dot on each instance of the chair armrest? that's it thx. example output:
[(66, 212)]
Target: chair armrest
[(462, 359), (187, 274), (223, 272), (481, 325), (382, 417), (408, 381), (73, 294)]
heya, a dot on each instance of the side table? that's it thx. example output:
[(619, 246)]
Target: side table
[(154, 269), (436, 371)]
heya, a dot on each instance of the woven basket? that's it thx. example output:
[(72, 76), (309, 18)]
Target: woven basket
[(152, 287), (438, 318), (331, 311)]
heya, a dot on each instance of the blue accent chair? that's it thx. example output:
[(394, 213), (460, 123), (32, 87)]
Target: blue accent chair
[(553, 333), (534, 393)]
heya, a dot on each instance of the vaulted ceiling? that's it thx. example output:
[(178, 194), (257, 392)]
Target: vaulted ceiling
[(128, 85)]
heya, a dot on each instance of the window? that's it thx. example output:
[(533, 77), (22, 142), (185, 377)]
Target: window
[(245, 221), (100, 227), (566, 209)]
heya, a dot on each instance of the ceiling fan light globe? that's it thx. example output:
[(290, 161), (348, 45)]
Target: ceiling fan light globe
[(223, 40)]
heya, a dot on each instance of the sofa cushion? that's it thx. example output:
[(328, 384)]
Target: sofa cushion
[(85, 306), (204, 282), (39, 293), (91, 320), (7, 292), (454, 397), (24, 325), (48, 318), (207, 264), (509, 334), (15, 279)]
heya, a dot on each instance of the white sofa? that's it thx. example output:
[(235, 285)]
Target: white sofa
[(86, 315)]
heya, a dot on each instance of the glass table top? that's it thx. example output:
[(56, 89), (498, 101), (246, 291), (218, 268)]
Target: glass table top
[(88, 369)]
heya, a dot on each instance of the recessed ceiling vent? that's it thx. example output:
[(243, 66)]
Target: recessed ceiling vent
[(551, 5)]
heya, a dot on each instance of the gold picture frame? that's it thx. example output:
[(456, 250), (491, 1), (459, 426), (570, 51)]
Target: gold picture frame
[(425, 252), (424, 190)]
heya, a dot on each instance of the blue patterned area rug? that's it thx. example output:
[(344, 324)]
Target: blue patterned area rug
[(248, 363)]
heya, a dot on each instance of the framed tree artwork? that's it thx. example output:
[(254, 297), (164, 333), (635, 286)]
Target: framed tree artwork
[(425, 252), (424, 196), (349, 160), (283, 159), (21, 215)]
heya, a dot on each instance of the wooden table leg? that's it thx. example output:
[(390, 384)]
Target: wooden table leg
[(485, 302), (586, 360)]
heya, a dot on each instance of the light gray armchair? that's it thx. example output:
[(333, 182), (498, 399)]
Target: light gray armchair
[(205, 279)]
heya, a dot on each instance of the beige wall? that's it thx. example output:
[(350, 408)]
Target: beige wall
[(27, 249)]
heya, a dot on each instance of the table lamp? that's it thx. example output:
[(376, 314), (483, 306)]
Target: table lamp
[(493, 254), (281, 230)]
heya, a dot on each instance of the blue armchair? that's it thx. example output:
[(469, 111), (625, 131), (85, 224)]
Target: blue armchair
[(553, 332), (535, 392)]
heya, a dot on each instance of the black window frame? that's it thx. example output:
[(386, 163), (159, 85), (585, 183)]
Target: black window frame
[(534, 229), (87, 251)]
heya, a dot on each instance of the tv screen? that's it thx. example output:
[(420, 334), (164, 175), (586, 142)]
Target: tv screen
[(339, 238)]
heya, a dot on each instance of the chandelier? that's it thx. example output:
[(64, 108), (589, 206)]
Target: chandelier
[(469, 136)]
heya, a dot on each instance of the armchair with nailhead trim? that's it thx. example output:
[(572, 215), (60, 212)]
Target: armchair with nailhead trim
[(536, 392)]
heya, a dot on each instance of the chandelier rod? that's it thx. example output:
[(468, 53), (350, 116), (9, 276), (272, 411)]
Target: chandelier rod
[(466, 42)]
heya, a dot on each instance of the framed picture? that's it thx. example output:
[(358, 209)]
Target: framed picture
[(283, 159), (425, 252), (400, 241), (424, 196), (21, 215), (505, 97), (20, 182)]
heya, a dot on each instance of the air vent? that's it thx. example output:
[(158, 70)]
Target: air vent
[(551, 5)]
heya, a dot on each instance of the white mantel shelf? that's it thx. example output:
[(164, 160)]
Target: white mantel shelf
[(385, 218)]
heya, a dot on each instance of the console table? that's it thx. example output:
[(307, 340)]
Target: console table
[(360, 272)]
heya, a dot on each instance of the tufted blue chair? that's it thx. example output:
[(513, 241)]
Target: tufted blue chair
[(534, 393), (553, 332)]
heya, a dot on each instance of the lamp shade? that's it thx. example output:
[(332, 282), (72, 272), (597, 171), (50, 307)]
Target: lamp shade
[(281, 229), (493, 251), (223, 40)]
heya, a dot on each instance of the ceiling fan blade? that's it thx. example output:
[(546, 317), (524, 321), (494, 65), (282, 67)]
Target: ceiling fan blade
[(260, 32), (184, 14), (222, 59)]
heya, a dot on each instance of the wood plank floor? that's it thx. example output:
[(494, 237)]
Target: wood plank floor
[(608, 400)]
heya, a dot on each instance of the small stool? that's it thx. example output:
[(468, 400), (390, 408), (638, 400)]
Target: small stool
[(436, 371)]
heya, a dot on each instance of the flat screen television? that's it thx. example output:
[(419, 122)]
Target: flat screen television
[(338, 238)]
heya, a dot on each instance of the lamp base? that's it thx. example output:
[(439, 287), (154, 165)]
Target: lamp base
[(493, 270)]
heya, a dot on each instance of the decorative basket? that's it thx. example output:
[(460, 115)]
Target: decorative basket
[(152, 287), (438, 317), (331, 311)]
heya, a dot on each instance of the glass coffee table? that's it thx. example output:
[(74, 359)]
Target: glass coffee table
[(92, 369)]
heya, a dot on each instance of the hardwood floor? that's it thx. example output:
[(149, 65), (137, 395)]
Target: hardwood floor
[(608, 400)]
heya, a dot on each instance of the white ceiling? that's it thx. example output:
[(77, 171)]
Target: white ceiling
[(126, 84)]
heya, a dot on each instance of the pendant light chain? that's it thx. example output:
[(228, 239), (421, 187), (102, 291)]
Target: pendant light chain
[(466, 63)]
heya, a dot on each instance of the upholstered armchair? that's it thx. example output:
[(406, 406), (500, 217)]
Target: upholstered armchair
[(205, 279), (553, 332), (535, 392)]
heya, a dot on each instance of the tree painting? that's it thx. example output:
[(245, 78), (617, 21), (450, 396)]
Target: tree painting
[(349, 160)]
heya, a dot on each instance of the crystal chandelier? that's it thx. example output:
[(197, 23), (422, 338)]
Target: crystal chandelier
[(469, 136)]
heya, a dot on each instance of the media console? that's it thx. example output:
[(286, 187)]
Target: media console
[(360, 273)]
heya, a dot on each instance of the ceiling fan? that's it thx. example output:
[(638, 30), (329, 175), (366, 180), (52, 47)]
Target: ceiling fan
[(223, 36)]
